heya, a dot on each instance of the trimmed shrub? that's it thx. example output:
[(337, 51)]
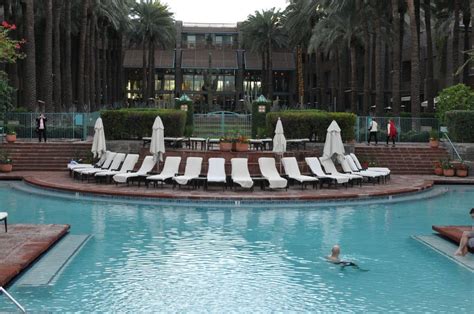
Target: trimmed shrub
[(311, 123), (457, 97), (460, 125), (136, 123), (259, 119)]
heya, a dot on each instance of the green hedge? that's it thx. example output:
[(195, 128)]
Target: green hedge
[(456, 97), (259, 119), (460, 125), (306, 123), (135, 123), (189, 115)]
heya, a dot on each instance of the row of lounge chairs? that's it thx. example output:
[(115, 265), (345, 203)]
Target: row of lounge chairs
[(119, 168)]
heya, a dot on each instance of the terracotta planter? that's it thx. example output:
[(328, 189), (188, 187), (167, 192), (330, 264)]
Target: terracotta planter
[(241, 147), (11, 138), (448, 172), (6, 167), (225, 147), (461, 172), (434, 143), (438, 171), (364, 165)]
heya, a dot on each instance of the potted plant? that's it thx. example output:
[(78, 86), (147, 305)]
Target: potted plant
[(434, 139), (438, 168), (225, 144), (5, 162), (364, 162), (462, 169), (11, 135), (241, 144), (448, 169)]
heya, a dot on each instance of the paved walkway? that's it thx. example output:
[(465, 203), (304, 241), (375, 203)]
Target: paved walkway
[(398, 184), (23, 244)]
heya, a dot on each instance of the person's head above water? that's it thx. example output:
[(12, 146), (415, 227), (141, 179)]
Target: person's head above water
[(335, 251)]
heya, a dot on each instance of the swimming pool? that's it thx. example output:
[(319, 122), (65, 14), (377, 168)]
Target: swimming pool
[(251, 257)]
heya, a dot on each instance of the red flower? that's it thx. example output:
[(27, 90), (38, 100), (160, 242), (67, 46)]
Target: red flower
[(13, 27), (17, 46), (5, 24)]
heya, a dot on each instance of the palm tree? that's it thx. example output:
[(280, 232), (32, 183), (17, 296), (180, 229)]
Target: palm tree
[(456, 10), (57, 55), (264, 31), (415, 62), (29, 77), (67, 60), (341, 30), (299, 19), (153, 24), (429, 57), (46, 82), (82, 55), (396, 56)]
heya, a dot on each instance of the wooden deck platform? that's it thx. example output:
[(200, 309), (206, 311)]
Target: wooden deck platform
[(453, 233), (23, 244)]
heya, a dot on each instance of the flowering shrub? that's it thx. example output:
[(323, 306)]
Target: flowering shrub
[(9, 53)]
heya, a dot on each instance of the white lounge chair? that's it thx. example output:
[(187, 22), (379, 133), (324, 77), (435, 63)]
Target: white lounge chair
[(191, 172), (170, 169), (270, 173), (293, 171), (128, 165), (378, 174), (216, 171), (345, 162), (330, 168), (317, 170), (4, 217), (105, 166), (98, 164), (240, 172), (384, 170), (147, 165), (116, 163)]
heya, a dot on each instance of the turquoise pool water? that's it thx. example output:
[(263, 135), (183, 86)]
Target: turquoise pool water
[(259, 257)]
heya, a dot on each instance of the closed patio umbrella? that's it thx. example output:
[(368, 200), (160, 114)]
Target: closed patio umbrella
[(98, 144), (157, 145), (333, 144), (279, 141)]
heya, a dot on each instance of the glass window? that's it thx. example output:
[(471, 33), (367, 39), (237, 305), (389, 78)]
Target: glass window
[(169, 82), (229, 83), (219, 40), (191, 39), (198, 82), (187, 82)]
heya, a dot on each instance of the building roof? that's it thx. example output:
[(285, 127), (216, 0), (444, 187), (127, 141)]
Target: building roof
[(164, 59), (204, 28), (282, 61), (199, 59)]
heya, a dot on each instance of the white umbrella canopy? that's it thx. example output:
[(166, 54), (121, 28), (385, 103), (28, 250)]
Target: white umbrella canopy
[(279, 141), (98, 144), (157, 145), (333, 144)]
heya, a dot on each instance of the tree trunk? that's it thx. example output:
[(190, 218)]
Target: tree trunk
[(109, 70), (379, 103), (151, 71), (353, 49), (456, 42), (92, 61), (299, 53), (67, 74), (97, 69), (263, 84), (11, 15), (104, 65), (270, 71), (29, 79), (87, 67), (429, 56), (82, 55), (341, 65), (471, 2), (57, 56), (321, 90), (396, 98), (366, 105), (144, 70), (466, 22), (415, 62)]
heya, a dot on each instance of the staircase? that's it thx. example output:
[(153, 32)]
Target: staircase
[(45, 156), (402, 159)]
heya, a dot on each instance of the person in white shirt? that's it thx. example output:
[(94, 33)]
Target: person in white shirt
[(373, 129)]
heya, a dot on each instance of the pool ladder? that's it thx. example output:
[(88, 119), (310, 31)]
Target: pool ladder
[(18, 305)]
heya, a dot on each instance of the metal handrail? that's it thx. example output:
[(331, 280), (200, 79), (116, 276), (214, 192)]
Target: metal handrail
[(452, 145), (18, 305)]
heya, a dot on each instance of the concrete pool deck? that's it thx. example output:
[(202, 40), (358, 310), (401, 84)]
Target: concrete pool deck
[(399, 184), (23, 244)]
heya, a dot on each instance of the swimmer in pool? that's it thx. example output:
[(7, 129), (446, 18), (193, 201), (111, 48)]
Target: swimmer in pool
[(334, 258)]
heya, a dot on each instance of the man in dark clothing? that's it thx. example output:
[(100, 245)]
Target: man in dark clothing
[(41, 127)]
